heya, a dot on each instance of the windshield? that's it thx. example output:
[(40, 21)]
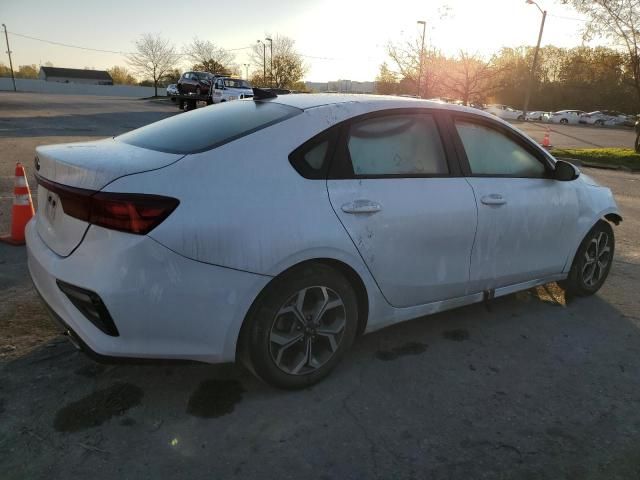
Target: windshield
[(209, 127), (236, 83)]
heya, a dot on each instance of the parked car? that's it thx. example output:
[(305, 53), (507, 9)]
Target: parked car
[(197, 83), (538, 116), (172, 91), (505, 112), (227, 88), (566, 117), (604, 117), (637, 127), (301, 222)]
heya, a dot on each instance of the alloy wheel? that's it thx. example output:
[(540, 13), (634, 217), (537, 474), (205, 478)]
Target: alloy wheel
[(596, 259), (307, 330)]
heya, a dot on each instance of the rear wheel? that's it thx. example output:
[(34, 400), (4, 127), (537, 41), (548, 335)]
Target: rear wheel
[(300, 327), (592, 262), (564, 121), (600, 123), (521, 118)]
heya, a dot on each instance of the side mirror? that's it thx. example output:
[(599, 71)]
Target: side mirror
[(565, 171)]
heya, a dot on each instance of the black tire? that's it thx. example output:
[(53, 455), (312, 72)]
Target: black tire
[(600, 123), (564, 121), (260, 353), (520, 118), (578, 283)]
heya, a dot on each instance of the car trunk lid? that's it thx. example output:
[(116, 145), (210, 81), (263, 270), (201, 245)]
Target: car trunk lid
[(79, 170)]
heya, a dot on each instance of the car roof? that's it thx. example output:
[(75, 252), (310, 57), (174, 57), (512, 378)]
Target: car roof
[(305, 101)]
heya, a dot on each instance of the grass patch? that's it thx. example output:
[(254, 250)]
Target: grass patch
[(624, 157)]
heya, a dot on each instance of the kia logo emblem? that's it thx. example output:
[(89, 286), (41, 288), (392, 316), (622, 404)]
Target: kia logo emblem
[(37, 163)]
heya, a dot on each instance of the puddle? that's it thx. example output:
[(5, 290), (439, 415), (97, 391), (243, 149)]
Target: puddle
[(98, 407), (457, 335), (215, 398), (411, 348)]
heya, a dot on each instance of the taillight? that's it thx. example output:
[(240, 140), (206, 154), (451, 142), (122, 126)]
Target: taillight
[(128, 212), (134, 213)]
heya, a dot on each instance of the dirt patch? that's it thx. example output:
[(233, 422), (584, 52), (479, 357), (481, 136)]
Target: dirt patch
[(457, 335), (98, 407), (215, 398), (411, 348)]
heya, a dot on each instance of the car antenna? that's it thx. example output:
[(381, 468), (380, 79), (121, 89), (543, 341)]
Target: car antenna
[(262, 94)]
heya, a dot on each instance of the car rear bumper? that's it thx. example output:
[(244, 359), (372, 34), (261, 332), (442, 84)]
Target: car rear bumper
[(163, 304)]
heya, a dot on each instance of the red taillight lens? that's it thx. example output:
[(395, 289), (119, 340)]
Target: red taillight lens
[(134, 213), (127, 212)]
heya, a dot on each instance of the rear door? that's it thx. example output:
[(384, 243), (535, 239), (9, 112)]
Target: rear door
[(399, 195), (525, 218)]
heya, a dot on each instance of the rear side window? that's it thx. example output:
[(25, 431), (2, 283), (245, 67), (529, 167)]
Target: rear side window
[(404, 144), (491, 152), (207, 128)]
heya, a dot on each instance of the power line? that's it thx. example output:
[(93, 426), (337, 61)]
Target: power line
[(68, 45)]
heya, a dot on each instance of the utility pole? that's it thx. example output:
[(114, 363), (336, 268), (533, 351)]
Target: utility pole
[(424, 27), (264, 60), (268, 39), (246, 71), (535, 60), (6, 37)]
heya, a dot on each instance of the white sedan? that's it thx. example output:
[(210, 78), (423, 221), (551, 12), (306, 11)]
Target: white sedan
[(300, 222), (604, 117), (566, 117), (505, 112)]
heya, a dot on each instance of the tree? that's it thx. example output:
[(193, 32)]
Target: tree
[(172, 76), (619, 21), (121, 76), (386, 81), (288, 66), (407, 57), (209, 58), (27, 71), (154, 57), (4, 70), (468, 77)]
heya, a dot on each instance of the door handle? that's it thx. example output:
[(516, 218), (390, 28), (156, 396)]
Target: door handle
[(361, 206), (493, 199)]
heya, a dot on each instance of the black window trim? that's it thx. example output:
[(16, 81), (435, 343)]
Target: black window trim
[(340, 167), (297, 160), (509, 132)]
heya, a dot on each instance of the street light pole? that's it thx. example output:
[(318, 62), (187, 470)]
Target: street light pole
[(264, 60), (6, 37), (246, 70), (535, 59), (270, 59), (424, 26)]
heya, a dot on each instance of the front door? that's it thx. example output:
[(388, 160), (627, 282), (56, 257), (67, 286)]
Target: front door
[(525, 218), (411, 220)]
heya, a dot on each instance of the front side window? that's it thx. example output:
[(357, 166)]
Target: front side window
[(491, 152), (404, 144)]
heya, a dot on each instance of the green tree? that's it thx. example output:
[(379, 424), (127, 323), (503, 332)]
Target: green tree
[(288, 66), (386, 81), (121, 76), (5, 71), (27, 71)]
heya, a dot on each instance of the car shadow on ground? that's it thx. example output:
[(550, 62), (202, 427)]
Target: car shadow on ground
[(530, 387)]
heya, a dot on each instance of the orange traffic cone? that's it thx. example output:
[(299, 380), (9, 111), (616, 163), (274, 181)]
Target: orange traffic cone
[(22, 210), (546, 141)]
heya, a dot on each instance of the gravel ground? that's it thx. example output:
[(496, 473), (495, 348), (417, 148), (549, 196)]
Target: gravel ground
[(532, 387)]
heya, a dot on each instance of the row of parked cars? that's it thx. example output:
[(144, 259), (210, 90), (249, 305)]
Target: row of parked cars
[(599, 117)]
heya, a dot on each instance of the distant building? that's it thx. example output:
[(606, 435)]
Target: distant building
[(341, 86), (75, 75)]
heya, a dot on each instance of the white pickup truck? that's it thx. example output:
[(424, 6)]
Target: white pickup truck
[(227, 88)]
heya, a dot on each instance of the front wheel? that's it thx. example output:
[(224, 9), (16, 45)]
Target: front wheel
[(564, 121), (521, 118), (592, 262), (300, 327)]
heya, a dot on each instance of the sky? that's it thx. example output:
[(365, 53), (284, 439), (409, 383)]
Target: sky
[(340, 39)]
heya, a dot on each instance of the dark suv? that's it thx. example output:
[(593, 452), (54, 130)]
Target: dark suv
[(195, 82)]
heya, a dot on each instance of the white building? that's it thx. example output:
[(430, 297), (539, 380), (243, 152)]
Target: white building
[(75, 75)]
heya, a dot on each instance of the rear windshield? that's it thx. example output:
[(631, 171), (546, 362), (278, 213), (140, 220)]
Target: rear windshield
[(207, 128)]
